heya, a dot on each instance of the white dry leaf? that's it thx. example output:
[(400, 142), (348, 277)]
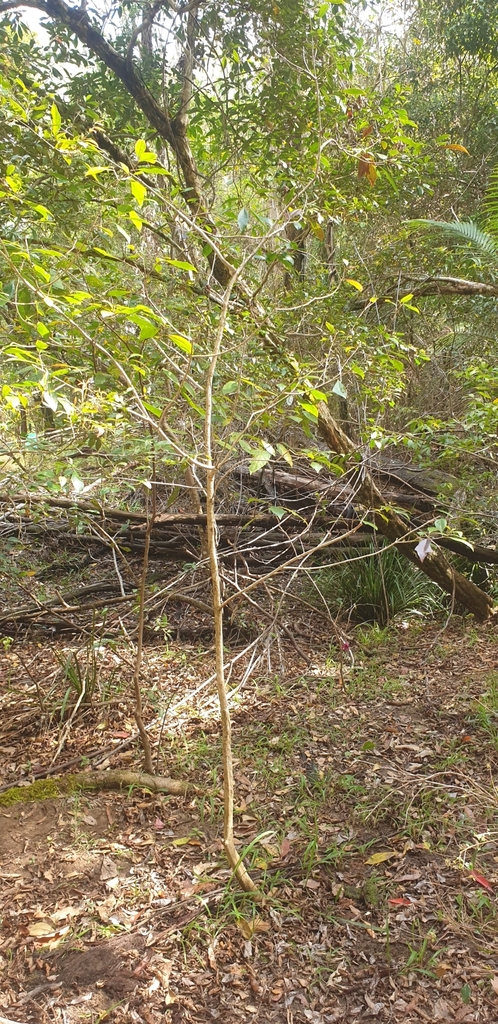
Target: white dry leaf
[(374, 1007), (423, 548), (162, 972), (442, 1011), (60, 915), (211, 958), (108, 869)]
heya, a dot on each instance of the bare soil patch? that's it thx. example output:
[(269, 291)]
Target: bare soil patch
[(367, 812)]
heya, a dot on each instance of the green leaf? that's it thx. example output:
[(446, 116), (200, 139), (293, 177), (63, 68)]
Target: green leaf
[(259, 460), (42, 330), (42, 210), (243, 219), (466, 994), (56, 120), (463, 232), (278, 511), (41, 272), (183, 343), (139, 191), (104, 252), (148, 331), (93, 172), (311, 410), (135, 220), (143, 154), (21, 354), (193, 405), (154, 409), (285, 453), (180, 264)]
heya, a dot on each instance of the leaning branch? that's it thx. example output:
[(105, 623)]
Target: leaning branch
[(390, 525), (431, 286)]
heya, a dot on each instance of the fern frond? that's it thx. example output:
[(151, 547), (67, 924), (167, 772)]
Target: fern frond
[(490, 204), (463, 232)]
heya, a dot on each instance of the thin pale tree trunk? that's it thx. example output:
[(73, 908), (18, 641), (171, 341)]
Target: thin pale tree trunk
[(233, 857)]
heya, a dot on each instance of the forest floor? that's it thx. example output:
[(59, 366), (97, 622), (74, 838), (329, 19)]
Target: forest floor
[(366, 809)]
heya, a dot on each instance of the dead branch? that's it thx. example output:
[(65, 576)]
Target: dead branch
[(430, 286)]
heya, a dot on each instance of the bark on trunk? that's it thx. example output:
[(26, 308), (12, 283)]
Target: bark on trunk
[(390, 525)]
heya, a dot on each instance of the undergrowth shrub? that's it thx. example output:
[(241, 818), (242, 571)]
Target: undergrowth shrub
[(376, 588)]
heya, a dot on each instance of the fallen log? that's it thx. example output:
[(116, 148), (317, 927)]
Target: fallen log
[(39, 610), (67, 785), (392, 526)]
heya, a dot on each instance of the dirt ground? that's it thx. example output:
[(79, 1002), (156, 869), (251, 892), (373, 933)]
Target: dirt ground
[(366, 812)]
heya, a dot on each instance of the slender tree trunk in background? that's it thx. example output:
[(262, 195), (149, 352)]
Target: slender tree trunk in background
[(146, 747), (330, 253), (390, 525), (233, 857)]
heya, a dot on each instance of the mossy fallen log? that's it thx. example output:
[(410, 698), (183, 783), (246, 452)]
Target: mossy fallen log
[(91, 782)]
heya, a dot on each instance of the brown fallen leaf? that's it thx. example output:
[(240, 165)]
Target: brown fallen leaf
[(42, 928), (252, 927)]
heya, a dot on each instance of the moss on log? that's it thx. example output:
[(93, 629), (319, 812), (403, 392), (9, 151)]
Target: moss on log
[(90, 782)]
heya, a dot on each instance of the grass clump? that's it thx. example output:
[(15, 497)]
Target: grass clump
[(376, 588)]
